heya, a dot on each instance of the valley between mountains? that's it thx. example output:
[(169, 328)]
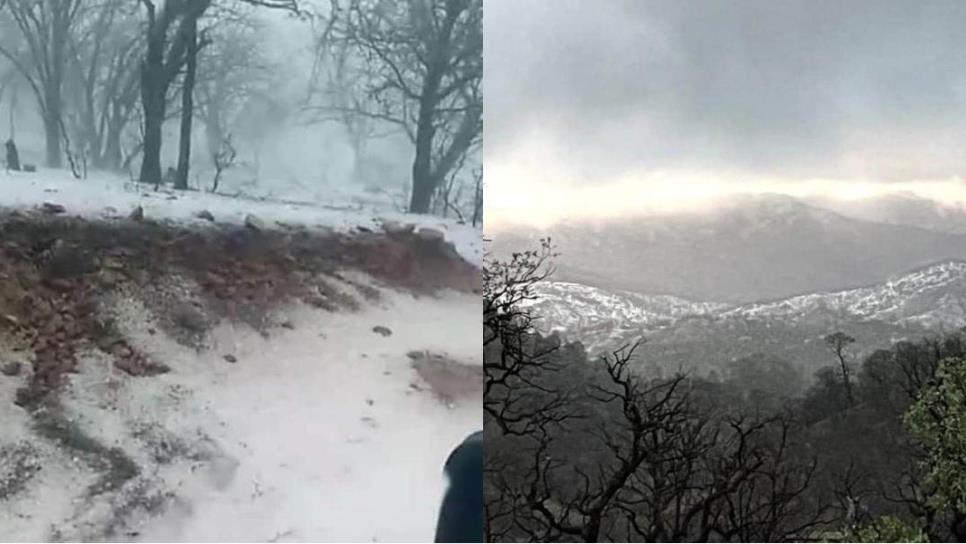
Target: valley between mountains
[(703, 292)]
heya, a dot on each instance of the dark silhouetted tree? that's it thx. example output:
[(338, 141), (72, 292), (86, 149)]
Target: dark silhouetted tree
[(839, 343), (171, 31), (421, 70)]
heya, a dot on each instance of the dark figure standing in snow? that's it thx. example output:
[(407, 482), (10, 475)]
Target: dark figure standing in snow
[(13, 158), (461, 516)]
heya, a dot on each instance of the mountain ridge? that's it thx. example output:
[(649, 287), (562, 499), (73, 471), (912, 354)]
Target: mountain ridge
[(747, 250), (928, 298)]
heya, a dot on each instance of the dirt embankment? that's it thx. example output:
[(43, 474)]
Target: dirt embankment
[(56, 272)]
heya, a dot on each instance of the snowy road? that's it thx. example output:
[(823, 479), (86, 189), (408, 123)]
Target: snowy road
[(321, 432)]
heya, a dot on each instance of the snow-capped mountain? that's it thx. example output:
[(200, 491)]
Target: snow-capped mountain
[(928, 299)]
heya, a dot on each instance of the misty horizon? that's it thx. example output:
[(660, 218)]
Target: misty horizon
[(641, 105)]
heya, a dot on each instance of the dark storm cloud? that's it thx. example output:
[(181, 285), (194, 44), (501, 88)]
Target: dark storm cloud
[(793, 88)]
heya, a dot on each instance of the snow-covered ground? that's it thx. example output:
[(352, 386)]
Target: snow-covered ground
[(322, 431), (316, 434), (109, 195)]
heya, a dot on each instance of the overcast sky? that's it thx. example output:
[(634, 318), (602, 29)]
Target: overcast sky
[(593, 106)]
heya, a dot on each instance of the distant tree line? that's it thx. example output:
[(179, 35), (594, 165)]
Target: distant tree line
[(106, 76), (588, 451), (102, 71)]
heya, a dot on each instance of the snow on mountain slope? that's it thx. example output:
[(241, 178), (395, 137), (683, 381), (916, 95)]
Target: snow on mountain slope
[(602, 319), (579, 305), (934, 296)]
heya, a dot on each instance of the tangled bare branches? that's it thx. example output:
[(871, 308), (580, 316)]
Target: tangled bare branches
[(513, 359), (616, 457)]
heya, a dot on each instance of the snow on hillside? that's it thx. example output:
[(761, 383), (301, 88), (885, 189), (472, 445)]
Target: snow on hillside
[(601, 318), (892, 300), (317, 434), (107, 195), (584, 306), (931, 296)]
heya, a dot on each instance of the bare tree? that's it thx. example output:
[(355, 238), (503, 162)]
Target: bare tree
[(45, 28), (655, 466), (224, 159), (187, 100), (232, 71), (422, 71), (512, 359), (839, 342), (104, 82), (171, 32), (163, 59), (614, 456), (337, 93)]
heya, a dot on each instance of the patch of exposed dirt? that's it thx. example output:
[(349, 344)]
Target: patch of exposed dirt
[(417, 263), (449, 380), (57, 271)]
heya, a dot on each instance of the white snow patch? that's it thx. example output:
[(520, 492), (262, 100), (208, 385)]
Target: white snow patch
[(109, 195), (312, 435)]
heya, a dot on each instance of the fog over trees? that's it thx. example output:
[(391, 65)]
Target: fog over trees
[(226, 95)]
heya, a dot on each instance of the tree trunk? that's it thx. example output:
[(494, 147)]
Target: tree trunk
[(423, 185), (51, 114), (187, 105), (52, 119), (214, 135), (425, 178), (424, 182), (53, 86), (52, 136), (846, 377), (111, 158), (152, 102), (153, 122), (13, 113)]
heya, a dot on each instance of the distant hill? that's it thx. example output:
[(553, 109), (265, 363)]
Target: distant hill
[(706, 335), (902, 209), (752, 248)]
